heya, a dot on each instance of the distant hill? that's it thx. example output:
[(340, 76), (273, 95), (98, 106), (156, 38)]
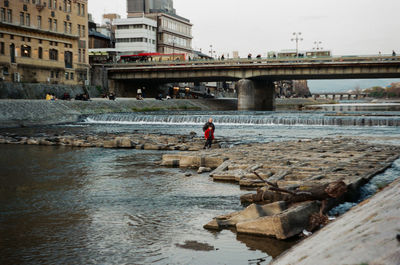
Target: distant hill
[(321, 86)]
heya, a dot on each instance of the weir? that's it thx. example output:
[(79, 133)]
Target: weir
[(308, 119)]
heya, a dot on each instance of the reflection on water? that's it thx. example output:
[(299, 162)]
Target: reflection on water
[(95, 206)]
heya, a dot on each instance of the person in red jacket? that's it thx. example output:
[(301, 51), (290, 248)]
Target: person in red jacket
[(209, 135)]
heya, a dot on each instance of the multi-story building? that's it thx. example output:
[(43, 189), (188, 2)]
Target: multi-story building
[(150, 6), (135, 35), (174, 33), (44, 41)]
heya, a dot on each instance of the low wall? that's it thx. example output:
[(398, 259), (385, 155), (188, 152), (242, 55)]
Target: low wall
[(10, 90)]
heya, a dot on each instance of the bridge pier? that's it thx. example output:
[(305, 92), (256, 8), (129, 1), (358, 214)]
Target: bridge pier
[(255, 95)]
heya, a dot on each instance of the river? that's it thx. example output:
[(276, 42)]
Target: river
[(106, 206)]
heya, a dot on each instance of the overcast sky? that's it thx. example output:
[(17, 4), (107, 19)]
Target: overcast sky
[(259, 26)]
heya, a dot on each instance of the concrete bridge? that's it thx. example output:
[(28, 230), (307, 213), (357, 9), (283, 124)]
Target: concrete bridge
[(340, 96), (256, 90)]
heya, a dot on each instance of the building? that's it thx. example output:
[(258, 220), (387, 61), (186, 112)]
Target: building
[(97, 39), (150, 6), (174, 34), (44, 41), (135, 35)]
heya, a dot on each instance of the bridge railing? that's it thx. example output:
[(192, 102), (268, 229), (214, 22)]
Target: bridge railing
[(337, 59)]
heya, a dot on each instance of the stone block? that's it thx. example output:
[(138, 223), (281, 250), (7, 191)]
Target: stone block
[(231, 175), (252, 212), (283, 225)]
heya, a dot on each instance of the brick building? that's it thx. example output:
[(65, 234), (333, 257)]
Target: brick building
[(44, 41)]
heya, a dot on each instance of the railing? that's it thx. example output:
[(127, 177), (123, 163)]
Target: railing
[(266, 61)]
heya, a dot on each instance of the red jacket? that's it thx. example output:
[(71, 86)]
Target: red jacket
[(209, 132)]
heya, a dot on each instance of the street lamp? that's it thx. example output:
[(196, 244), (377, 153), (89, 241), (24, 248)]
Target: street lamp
[(211, 51), (297, 38), (317, 45)]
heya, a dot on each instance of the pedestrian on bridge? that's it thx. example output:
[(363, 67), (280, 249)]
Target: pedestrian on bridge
[(393, 53), (139, 94)]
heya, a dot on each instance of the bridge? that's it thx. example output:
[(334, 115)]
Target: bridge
[(256, 90)]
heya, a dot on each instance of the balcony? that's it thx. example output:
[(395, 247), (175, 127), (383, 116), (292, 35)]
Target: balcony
[(38, 30)]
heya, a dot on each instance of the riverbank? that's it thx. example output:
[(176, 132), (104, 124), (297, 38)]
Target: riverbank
[(367, 234), (25, 113)]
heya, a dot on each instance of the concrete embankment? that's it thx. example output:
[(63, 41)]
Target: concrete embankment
[(368, 234), (16, 113)]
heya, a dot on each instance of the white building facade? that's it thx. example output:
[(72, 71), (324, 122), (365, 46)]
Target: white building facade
[(135, 35)]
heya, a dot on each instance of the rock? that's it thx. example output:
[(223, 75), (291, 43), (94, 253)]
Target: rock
[(110, 144), (283, 225), (32, 141), (188, 174), (123, 142), (203, 170), (148, 146)]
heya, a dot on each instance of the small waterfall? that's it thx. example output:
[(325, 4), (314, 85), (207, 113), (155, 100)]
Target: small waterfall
[(287, 119)]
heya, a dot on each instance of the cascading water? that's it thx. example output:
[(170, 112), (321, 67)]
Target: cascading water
[(246, 119)]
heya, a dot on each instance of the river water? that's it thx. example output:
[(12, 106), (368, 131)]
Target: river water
[(62, 205)]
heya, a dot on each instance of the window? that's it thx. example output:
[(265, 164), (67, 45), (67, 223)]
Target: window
[(84, 55), (2, 48), (3, 14), (65, 27), (53, 54), (83, 31), (71, 76), (25, 51), (28, 20), (79, 9), (66, 75), (50, 24), (79, 30), (65, 6), (9, 16), (83, 10), (51, 74), (21, 18), (68, 59), (69, 6), (70, 28), (40, 41), (39, 22), (40, 53), (55, 25)]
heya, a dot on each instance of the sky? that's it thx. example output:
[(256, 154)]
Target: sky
[(345, 27), (258, 26)]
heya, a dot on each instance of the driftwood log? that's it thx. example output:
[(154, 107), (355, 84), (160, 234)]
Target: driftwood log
[(273, 193)]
